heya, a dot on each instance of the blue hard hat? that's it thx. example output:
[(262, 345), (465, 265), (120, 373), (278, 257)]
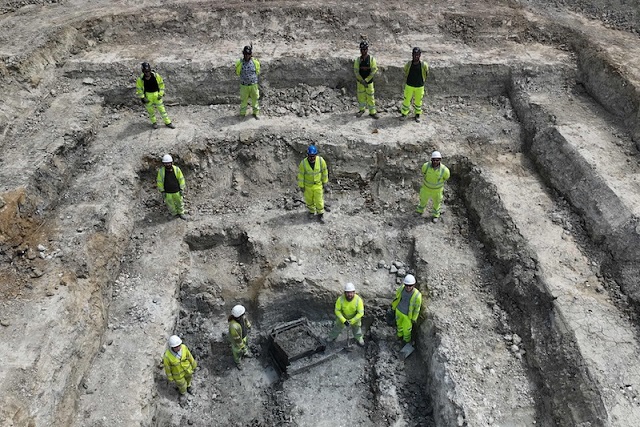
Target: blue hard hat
[(312, 150)]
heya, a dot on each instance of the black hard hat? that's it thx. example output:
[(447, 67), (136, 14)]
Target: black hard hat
[(364, 45), (416, 50), (247, 49), (146, 66)]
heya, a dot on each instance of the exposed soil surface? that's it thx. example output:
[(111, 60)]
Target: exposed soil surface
[(530, 279)]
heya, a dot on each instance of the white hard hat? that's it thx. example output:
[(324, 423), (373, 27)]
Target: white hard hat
[(436, 155), (349, 287), (237, 311), (167, 158), (174, 341), (409, 280)]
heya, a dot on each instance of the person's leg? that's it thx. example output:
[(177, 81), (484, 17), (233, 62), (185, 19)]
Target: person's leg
[(424, 199), (361, 95), (182, 385), (417, 100), (400, 323), (308, 199), (169, 199), (337, 329), (406, 102), (188, 378), (254, 93), (151, 99), (179, 203), (244, 99), (357, 330), (407, 325), (318, 199), (437, 199), (371, 100), (237, 352), (163, 113)]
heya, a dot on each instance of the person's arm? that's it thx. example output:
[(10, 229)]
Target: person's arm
[(160, 85), (416, 309), (359, 310), (324, 171), (160, 180), (338, 310)]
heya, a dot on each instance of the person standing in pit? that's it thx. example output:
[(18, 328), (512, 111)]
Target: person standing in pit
[(313, 177), (365, 68), (171, 184), (150, 91), (434, 175), (349, 310), (179, 365), (239, 327), (415, 73), (407, 303), (248, 69)]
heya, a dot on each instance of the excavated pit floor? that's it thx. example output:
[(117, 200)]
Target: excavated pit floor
[(529, 281)]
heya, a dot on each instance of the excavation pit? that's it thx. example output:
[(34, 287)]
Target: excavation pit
[(519, 310)]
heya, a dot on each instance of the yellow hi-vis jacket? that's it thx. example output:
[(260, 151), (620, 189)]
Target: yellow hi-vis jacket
[(374, 69), (256, 64), (349, 310), (177, 368), (414, 303), (318, 176), (176, 171), (424, 67), (235, 332), (140, 85), (434, 178)]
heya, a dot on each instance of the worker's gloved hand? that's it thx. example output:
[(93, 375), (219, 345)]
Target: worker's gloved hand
[(164, 194), (160, 97), (346, 323), (181, 193), (301, 189), (327, 189), (366, 83), (143, 101)]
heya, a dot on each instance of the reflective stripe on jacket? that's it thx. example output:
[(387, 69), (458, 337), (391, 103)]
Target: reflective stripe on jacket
[(176, 368), (140, 85), (176, 171), (434, 178), (308, 177), (372, 64), (256, 63), (414, 303), (349, 310), (424, 67)]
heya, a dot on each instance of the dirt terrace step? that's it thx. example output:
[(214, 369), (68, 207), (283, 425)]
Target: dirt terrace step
[(581, 307), (475, 377), (590, 160)]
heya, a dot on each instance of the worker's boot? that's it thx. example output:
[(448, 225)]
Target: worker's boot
[(154, 125), (403, 117), (417, 118), (239, 366), (170, 125), (359, 113), (310, 215), (374, 116), (321, 219), (189, 390)]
